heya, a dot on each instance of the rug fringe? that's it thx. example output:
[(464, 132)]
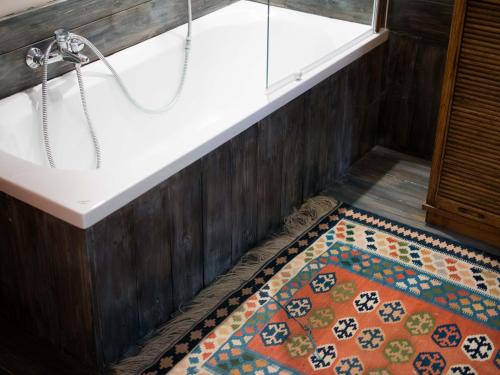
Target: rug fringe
[(155, 344)]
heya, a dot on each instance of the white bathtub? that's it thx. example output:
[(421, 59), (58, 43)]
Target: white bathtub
[(224, 95)]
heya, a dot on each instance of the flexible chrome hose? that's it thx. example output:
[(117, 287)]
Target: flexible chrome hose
[(124, 88), (45, 120), (93, 135), (45, 126), (180, 87), (95, 50)]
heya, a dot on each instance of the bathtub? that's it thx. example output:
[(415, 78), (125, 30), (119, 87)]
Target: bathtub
[(225, 93)]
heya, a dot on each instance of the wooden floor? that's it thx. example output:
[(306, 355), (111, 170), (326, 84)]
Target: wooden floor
[(394, 185), (384, 182)]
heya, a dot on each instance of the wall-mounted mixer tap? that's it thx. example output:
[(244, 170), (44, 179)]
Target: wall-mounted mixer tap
[(65, 47)]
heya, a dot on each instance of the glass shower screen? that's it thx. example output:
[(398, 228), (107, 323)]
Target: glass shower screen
[(301, 35)]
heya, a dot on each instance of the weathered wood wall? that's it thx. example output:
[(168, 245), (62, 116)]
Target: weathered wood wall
[(415, 65), (10, 7), (349, 10), (118, 24), (94, 293), (110, 25)]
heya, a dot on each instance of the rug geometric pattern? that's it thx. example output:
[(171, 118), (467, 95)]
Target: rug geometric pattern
[(357, 294)]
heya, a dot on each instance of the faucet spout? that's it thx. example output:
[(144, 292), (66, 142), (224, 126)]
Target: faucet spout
[(75, 58)]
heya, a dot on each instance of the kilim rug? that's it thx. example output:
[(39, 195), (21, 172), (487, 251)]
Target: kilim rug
[(356, 294)]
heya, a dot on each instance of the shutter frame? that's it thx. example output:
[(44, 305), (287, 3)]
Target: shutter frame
[(465, 175)]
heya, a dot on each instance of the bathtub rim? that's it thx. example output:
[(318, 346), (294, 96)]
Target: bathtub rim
[(19, 177)]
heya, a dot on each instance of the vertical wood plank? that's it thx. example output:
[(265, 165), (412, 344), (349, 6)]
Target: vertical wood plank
[(149, 238), (349, 120), (183, 207), (366, 107), (217, 217), (269, 173), (244, 192), (114, 282), (293, 156), (413, 73), (422, 19), (335, 130), (23, 295), (9, 284), (398, 107), (67, 271), (353, 100), (316, 128), (429, 68)]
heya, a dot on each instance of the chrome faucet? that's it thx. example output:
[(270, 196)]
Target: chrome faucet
[(68, 48)]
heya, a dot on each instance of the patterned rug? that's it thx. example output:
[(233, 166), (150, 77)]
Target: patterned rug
[(356, 294)]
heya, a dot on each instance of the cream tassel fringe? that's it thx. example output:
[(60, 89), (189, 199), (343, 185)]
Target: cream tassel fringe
[(250, 264)]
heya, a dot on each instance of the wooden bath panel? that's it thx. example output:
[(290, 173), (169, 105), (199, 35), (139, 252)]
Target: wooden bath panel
[(94, 293)]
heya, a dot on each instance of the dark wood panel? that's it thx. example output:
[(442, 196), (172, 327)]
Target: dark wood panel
[(293, 170), (357, 97), (354, 107), (317, 113), (217, 214), (184, 212), (111, 251), (427, 19), (19, 30), (45, 279), (117, 27), (413, 74), (62, 259), (337, 132), (152, 258), (398, 106), (269, 174), (360, 11), (244, 192), (429, 69)]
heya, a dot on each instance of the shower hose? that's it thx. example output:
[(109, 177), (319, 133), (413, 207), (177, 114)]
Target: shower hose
[(121, 84)]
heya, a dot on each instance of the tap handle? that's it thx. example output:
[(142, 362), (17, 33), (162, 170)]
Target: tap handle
[(76, 45), (68, 43), (62, 39), (61, 35)]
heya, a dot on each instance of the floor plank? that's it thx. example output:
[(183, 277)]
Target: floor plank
[(394, 185)]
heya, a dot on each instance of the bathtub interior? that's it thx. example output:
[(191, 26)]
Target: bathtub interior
[(220, 83), (215, 88)]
